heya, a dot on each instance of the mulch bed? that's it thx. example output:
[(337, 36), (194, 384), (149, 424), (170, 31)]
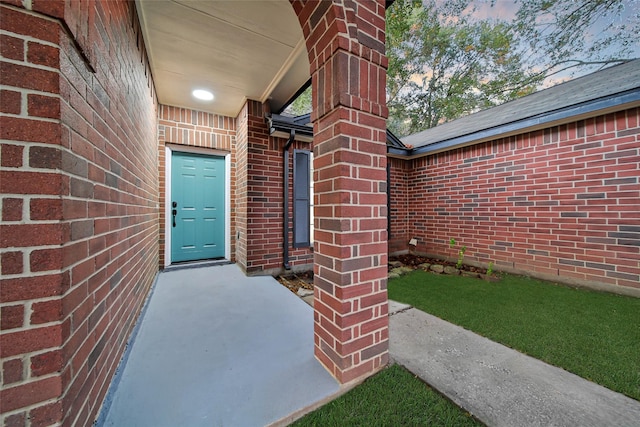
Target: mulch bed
[(295, 281), (413, 261)]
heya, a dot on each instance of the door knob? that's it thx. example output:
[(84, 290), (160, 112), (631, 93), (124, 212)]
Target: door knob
[(174, 212)]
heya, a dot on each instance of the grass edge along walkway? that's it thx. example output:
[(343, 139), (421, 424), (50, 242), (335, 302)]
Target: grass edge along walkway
[(592, 334), (392, 397)]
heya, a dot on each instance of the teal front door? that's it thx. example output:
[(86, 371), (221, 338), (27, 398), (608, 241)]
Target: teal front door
[(197, 207)]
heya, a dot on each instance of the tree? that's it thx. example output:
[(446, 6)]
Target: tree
[(444, 64), (301, 105), (563, 35)]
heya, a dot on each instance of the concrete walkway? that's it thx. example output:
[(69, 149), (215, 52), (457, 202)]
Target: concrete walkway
[(217, 348), (498, 385)]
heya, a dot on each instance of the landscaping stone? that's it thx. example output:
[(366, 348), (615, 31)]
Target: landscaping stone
[(470, 274), (302, 292), (395, 264), (402, 270), (437, 268), (393, 275), (308, 299), (425, 266), (451, 270)]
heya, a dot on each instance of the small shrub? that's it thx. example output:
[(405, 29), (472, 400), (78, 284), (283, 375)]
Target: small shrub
[(461, 257), (490, 269)]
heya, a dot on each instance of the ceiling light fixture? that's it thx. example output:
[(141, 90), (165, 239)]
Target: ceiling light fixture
[(204, 95)]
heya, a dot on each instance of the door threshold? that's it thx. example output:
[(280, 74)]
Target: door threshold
[(196, 264)]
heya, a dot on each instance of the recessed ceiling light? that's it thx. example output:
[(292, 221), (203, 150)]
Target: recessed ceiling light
[(204, 95)]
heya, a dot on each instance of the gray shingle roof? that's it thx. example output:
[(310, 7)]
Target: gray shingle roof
[(523, 111)]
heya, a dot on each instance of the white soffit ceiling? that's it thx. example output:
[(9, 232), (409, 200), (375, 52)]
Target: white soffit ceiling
[(237, 49)]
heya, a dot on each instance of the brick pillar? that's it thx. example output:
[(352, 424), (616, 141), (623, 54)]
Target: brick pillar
[(348, 67), (259, 200)]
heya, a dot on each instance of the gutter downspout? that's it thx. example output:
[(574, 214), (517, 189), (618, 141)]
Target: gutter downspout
[(285, 178)]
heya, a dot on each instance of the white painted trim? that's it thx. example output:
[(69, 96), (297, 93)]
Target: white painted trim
[(198, 150), (227, 206), (167, 206), (169, 149)]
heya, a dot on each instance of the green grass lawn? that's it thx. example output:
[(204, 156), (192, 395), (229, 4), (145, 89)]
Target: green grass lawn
[(595, 335), (393, 397)]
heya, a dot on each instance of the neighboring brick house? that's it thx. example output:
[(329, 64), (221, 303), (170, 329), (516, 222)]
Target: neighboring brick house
[(87, 150), (546, 185)]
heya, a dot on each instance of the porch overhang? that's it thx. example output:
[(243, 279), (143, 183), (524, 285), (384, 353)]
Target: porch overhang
[(234, 49)]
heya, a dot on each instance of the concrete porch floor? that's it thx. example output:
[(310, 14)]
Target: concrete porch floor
[(217, 348)]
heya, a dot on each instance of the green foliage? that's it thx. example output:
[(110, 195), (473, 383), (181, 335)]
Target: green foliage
[(561, 35), (394, 397), (461, 257), (592, 334), (461, 252), (490, 269), (301, 105), (445, 63)]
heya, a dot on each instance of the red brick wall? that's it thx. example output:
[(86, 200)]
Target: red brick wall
[(33, 229), (264, 195), (79, 237), (345, 42), (259, 198), (398, 205), (181, 126), (562, 203)]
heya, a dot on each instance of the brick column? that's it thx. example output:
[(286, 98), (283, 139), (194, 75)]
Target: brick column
[(259, 199), (348, 67)]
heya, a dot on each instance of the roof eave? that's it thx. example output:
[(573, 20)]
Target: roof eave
[(281, 127), (616, 102)]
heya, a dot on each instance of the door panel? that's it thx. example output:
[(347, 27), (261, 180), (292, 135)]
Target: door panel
[(198, 191)]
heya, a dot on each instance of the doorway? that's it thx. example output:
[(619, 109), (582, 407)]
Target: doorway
[(197, 208)]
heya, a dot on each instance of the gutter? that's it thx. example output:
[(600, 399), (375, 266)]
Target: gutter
[(281, 126)]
